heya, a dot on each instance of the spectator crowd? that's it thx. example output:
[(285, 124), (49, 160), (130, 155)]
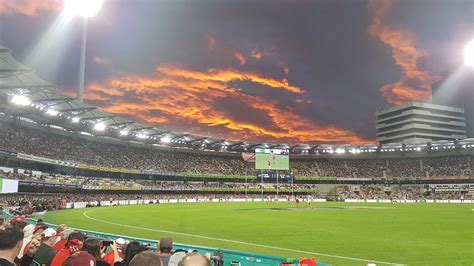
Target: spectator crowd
[(78, 150), (23, 243)]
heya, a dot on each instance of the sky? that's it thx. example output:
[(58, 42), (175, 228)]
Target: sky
[(285, 71)]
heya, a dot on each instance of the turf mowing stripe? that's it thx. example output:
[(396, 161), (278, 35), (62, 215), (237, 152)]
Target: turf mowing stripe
[(238, 242)]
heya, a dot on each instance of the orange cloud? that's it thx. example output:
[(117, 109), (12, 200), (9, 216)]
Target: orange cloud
[(228, 76), (414, 84), (240, 57), (211, 42), (29, 7), (101, 61), (257, 55), (181, 99)]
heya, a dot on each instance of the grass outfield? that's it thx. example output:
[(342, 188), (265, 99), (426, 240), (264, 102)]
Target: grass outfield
[(414, 234)]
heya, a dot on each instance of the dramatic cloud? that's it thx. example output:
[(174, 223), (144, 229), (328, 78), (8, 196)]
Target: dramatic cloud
[(205, 103), (29, 7), (414, 84), (101, 61), (211, 42), (240, 57), (257, 54)]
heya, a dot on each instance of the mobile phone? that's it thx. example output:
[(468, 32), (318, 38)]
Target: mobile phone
[(107, 243)]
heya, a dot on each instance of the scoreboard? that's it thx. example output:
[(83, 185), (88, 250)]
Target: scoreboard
[(272, 159)]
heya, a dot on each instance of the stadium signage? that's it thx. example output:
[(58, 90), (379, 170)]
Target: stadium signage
[(8, 153), (37, 159)]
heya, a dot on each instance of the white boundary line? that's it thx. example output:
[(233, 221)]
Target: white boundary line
[(236, 242)]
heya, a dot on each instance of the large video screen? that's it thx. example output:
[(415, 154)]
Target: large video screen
[(272, 159), (8, 185)]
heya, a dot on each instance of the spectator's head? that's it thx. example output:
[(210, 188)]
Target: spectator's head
[(11, 241), (93, 246), (133, 248), (80, 259), (166, 245), (176, 258), (49, 237), (39, 229), (61, 228), (146, 258), (75, 241), (195, 259), (120, 244), (20, 224)]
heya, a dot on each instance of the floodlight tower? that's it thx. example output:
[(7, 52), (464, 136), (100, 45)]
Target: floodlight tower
[(469, 54), (85, 9)]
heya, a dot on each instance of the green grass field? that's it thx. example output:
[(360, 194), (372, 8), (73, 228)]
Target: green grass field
[(414, 234)]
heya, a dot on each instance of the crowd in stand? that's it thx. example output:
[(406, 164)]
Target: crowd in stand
[(19, 139), (139, 184), (405, 192), (23, 243)]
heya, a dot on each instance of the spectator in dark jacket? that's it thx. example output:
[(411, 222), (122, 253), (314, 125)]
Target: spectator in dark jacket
[(46, 252), (11, 240)]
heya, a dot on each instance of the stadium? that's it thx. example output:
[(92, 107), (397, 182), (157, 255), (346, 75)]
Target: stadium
[(96, 187)]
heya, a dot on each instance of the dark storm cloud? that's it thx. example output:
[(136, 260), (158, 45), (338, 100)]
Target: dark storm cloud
[(321, 47)]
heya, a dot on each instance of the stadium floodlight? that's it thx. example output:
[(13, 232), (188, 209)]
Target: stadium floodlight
[(85, 9), (142, 136), (19, 99), (123, 132), (469, 54), (167, 139), (76, 119), (100, 127), (52, 112), (82, 8)]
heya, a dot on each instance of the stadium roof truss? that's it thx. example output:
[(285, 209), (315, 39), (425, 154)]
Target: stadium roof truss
[(24, 94)]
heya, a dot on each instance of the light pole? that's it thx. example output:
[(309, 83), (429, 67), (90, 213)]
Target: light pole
[(85, 9)]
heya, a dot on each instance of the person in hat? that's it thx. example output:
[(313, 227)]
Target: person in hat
[(46, 252), (28, 235), (80, 258), (63, 238), (110, 257), (36, 238), (166, 246), (74, 243)]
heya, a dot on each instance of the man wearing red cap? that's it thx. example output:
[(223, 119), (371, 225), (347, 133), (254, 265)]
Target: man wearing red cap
[(73, 244)]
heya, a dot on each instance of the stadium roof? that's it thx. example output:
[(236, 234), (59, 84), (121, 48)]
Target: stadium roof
[(24, 94)]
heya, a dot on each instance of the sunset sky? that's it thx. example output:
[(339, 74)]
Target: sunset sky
[(263, 70)]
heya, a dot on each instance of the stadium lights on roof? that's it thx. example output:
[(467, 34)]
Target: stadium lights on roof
[(123, 132), (19, 99), (75, 119), (469, 54), (99, 127), (52, 112), (142, 136), (82, 8), (166, 140)]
